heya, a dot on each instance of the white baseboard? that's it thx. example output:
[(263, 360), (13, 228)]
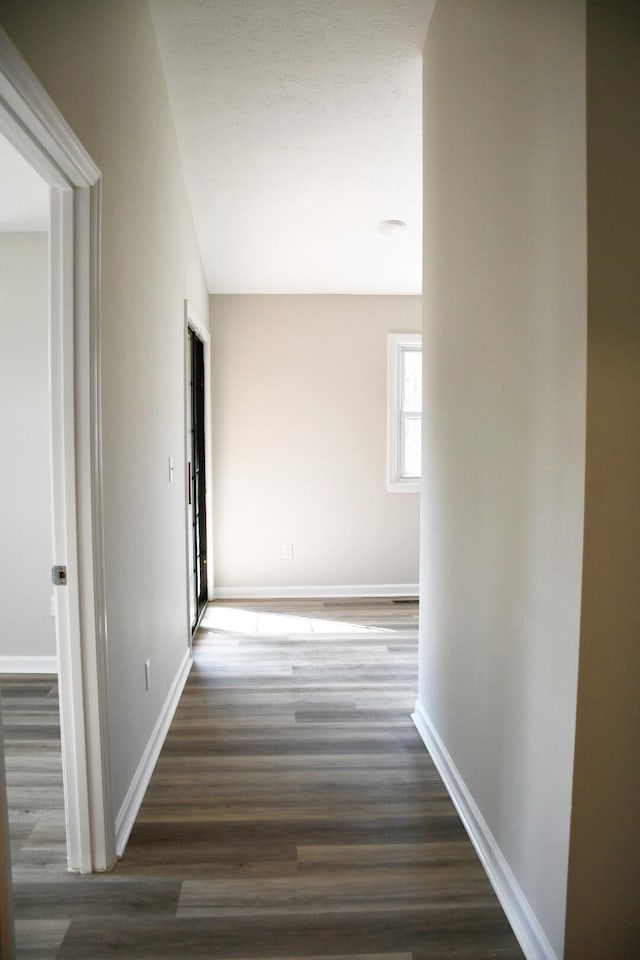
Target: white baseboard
[(525, 924), (137, 789), (340, 590), (29, 665)]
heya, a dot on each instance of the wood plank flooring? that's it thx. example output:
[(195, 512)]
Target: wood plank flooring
[(31, 726), (293, 813)]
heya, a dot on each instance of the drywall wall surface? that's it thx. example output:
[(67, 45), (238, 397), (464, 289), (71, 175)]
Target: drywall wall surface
[(603, 916), (300, 426), (27, 628), (99, 63), (504, 419)]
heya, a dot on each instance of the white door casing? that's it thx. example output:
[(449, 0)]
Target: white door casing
[(32, 123)]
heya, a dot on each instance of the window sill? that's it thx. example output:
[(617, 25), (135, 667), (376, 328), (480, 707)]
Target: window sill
[(403, 486)]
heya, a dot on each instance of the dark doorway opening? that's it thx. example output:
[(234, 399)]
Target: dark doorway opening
[(197, 480)]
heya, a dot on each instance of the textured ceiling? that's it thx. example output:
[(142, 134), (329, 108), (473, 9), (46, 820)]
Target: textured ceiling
[(24, 196), (299, 125)]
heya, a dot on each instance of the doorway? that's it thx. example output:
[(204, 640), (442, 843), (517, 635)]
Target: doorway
[(196, 472), (198, 431), (33, 126)]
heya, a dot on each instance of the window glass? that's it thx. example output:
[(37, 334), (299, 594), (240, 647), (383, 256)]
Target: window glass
[(412, 381), (404, 414), (412, 448)]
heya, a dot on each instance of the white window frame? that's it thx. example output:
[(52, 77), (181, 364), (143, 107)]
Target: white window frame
[(399, 343)]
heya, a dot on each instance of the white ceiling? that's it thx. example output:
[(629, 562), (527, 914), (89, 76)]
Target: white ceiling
[(299, 125), (24, 196)]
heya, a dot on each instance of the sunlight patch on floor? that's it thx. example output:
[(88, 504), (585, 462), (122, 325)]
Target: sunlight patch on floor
[(276, 624)]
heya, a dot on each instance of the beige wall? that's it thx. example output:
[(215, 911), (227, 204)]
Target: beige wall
[(27, 628), (99, 63), (504, 420), (603, 917), (299, 411)]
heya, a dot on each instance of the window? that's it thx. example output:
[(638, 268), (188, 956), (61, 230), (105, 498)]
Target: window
[(404, 450)]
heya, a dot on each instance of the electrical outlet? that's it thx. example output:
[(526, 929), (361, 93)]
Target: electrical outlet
[(147, 673), (287, 551)]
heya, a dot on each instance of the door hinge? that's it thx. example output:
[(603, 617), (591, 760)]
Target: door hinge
[(59, 576)]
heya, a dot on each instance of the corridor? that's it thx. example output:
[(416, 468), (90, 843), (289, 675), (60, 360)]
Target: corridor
[(294, 811)]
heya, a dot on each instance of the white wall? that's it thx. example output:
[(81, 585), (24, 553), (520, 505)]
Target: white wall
[(504, 422), (27, 628), (299, 412), (99, 63)]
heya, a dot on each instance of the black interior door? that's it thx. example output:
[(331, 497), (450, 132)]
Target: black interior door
[(197, 486)]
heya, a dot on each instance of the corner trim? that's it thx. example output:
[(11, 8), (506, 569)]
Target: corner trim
[(138, 786), (29, 665), (297, 592), (19, 87), (524, 923)]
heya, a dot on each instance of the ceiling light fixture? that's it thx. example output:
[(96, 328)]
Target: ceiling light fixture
[(392, 228)]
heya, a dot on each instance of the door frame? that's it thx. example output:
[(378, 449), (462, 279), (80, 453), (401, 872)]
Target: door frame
[(192, 322), (34, 126)]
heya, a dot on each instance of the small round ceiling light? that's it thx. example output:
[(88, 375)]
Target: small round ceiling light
[(391, 228)]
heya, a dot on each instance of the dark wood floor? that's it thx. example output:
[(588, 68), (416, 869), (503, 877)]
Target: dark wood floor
[(294, 811)]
